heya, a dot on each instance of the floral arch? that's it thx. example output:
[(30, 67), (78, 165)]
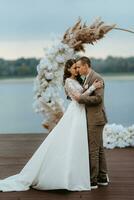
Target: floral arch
[(47, 84)]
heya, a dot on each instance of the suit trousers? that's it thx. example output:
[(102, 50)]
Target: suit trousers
[(98, 167)]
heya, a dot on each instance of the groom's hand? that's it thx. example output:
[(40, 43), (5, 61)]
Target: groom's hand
[(98, 84), (92, 100)]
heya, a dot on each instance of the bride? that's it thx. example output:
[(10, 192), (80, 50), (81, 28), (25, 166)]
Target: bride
[(62, 160)]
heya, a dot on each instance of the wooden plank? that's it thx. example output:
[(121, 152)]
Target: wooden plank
[(16, 149)]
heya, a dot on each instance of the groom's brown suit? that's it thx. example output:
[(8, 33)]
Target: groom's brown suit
[(96, 119)]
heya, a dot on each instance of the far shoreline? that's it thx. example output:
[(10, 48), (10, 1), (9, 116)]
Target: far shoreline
[(116, 76), (113, 76), (17, 80)]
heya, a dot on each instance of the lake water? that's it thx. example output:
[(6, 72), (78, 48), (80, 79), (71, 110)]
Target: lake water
[(17, 115)]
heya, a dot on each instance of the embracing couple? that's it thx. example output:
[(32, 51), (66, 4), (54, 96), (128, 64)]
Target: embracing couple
[(72, 155)]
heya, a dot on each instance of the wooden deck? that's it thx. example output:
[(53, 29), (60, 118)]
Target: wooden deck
[(16, 149)]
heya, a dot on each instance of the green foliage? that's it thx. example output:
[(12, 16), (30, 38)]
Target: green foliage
[(26, 67), (21, 67), (113, 65)]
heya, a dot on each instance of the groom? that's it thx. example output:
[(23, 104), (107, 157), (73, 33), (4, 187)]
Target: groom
[(96, 119)]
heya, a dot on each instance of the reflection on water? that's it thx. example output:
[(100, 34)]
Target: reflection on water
[(17, 115)]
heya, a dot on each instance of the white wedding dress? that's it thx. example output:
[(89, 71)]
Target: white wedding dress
[(62, 160)]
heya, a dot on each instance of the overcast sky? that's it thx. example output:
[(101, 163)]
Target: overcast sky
[(27, 26)]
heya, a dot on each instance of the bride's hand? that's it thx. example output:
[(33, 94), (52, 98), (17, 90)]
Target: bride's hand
[(98, 84), (76, 96)]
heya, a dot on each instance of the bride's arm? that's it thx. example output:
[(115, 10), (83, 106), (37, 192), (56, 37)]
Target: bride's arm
[(74, 93), (94, 99), (96, 85), (71, 89), (89, 90)]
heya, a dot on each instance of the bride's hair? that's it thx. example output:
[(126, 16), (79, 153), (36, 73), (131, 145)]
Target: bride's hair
[(68, 65), (67, 73)]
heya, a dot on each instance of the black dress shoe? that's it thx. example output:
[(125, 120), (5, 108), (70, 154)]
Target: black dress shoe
[(103, 182), (94, 185)]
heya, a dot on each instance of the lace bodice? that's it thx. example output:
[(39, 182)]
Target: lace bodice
[(72, 86)]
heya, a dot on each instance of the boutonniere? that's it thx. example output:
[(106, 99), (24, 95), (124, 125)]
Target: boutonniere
[(86, 86)]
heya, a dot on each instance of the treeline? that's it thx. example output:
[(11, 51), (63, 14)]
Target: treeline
[(26, 67), (22, 67), (113, 65)]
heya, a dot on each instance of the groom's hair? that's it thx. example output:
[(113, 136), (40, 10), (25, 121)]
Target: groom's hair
[(85, 60)]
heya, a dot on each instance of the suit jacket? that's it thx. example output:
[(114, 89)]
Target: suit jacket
[(94, 103)]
